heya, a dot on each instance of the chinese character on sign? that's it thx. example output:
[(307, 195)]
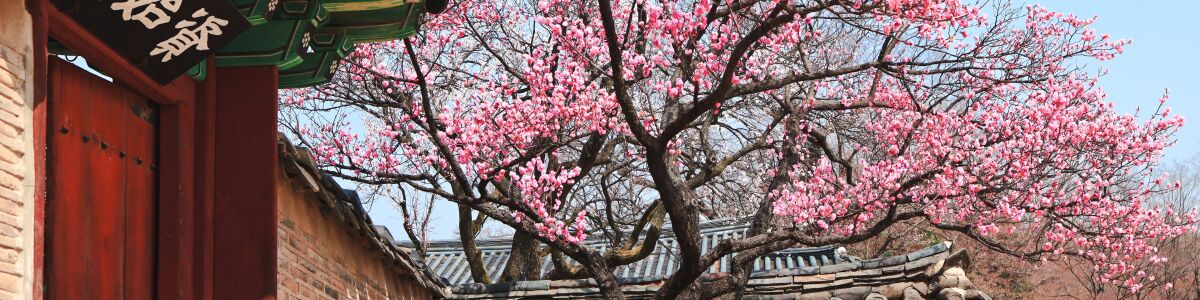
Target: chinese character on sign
[(163, 39), (190, 35), (151, 15)]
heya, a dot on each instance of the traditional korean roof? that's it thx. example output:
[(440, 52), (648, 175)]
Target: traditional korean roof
[(929, 273), (446, 259), (345, 206), (305, 38)]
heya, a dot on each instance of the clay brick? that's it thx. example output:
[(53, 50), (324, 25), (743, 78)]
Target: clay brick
[(7, 154), (15, 68), (11, 221), (8, 230), (16, 169), (12, 57), (10, 98), (10, 282), (7, 78), (9, 256), (10, 269), (10, 207), (13, 195), (8, 181), (291, 284), (14, 121), (10, 243)]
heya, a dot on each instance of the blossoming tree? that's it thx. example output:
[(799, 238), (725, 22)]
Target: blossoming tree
[(822, 121)]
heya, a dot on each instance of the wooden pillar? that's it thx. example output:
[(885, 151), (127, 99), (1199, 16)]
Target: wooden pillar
[(37, 9), (205, 136), (176, 223), (245, 163)]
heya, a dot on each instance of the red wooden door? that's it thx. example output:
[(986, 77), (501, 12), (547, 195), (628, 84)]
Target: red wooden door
[(101, 189)]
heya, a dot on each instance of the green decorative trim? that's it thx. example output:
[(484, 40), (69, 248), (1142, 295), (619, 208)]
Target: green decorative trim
[(304, 10), (258, 12), (333, 40), (199, 72)]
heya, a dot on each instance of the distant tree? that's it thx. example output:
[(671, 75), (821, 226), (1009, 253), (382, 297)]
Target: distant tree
[(1175, 279), (825, 121)]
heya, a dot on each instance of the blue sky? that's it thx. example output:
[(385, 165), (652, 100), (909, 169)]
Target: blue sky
[(1165, 54)]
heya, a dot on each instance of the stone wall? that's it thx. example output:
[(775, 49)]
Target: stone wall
[(322, 257), (16, 143)]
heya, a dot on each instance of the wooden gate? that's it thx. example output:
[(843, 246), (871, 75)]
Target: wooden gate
[(102, 187)]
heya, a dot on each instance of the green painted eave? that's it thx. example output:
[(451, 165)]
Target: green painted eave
[(258, 12), (363, 5), (379, 25), (276, 43), (306, 38), (317, 66)]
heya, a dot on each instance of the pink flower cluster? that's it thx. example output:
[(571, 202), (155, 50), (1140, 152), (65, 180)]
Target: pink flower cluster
[(510, 111), (1048, 157), (931, 17), (541, 187)]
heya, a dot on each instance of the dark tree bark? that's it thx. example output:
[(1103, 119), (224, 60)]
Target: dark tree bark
[(468, 230), (524, 261)]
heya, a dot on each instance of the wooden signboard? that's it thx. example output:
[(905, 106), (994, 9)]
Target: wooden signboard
[(163, 38)]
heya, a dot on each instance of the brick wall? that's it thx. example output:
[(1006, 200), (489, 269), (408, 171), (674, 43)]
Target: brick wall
[(321, 257), (16, 178)]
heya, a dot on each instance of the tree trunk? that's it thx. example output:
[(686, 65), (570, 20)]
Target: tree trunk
[(605, 280), (524, 263), (466, 233), (685, 223)]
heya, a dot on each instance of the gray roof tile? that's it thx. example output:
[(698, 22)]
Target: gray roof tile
[(446, 259)]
